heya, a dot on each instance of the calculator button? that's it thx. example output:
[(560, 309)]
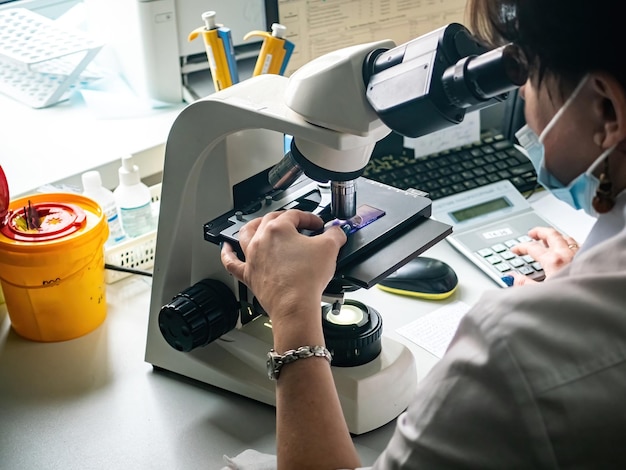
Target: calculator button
[(502, 267), (498, 248), (524, 239), (485, 252), (511, 243), (516, 262), (537, 266), (528, 259), (493, 259), (507, 255), (526, 270)]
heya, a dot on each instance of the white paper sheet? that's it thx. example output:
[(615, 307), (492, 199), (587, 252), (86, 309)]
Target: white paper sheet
[(457, 135), (434, 331)]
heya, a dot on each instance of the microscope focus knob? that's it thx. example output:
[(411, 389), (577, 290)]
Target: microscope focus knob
[(198, 315)]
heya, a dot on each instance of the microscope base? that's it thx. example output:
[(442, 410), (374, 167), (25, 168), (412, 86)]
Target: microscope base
[(371, 395)]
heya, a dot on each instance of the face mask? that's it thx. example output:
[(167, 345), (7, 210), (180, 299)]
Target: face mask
[(580, 191)]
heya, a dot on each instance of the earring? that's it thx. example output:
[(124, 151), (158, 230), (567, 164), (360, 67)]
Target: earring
[(603, 201)]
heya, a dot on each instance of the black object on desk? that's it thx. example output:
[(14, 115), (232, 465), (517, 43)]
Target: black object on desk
[(493, 158), (422, 277)]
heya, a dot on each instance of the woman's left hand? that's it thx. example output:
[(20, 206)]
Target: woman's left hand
[(550, 248)]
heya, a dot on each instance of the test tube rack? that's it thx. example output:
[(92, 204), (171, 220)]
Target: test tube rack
[(40, 61)]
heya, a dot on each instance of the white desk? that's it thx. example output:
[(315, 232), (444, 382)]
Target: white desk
[(93, 403)]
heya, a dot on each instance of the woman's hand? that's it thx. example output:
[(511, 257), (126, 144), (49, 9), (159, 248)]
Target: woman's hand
[(550, 248), (288, 271), (285, 269)]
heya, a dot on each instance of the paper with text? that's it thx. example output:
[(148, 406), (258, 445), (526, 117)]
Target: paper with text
[(467, 132), (434, 331)]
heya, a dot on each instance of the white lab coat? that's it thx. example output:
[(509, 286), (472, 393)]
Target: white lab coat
[(535, 376)]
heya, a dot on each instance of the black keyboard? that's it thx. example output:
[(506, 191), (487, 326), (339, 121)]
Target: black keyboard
[(452, 171)]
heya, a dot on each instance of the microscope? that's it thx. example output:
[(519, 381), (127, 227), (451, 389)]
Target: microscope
[(227, 162)]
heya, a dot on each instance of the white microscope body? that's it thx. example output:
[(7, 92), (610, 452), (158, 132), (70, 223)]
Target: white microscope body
[(220, 141)]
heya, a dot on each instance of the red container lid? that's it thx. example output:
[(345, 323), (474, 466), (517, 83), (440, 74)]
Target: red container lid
[(38, 222), (4, 197)]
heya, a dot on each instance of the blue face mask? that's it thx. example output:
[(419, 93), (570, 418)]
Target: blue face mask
[(580, 191)]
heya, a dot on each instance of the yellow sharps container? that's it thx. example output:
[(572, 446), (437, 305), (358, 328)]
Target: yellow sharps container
[(52, 264)]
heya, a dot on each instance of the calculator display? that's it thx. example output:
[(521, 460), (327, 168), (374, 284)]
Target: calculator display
[(480, 209)]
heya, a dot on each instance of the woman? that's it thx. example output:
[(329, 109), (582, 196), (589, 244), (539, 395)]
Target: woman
[(536, 375)]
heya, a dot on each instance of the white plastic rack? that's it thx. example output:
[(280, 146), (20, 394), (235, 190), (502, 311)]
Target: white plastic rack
[(40, 61)]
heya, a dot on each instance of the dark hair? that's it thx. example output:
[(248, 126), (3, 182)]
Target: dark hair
[(562, 38)]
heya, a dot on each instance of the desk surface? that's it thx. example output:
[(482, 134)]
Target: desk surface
[(94, 403)]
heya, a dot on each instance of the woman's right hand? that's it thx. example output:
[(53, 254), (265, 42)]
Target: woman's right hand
[(286, 270)]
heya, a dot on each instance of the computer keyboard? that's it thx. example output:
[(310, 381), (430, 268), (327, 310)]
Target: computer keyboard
[(442, 174)]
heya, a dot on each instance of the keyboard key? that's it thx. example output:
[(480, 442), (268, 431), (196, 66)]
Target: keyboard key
[(521, 169), (501, 145)]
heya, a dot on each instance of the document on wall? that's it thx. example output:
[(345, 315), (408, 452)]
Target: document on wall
[(318, 27), (434, 331), (467, 132)]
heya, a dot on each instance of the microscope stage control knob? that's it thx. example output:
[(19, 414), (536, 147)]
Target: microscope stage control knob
[(199, 315)]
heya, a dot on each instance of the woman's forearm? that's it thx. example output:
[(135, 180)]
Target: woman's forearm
[(311, 430)]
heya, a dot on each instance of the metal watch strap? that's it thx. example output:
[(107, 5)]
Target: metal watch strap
[(276, 361)]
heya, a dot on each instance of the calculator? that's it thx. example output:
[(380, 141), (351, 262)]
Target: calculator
[(488, 221)]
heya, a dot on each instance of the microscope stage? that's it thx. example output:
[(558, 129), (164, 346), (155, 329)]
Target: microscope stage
[(399, 230)]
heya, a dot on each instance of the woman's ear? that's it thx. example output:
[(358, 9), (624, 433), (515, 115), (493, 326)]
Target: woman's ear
[(610, 108)]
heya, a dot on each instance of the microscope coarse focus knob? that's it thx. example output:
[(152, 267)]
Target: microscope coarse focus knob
[(354, 335), (198, 315)]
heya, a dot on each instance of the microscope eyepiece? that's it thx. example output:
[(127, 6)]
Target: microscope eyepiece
[(478, 78), (431, 82)]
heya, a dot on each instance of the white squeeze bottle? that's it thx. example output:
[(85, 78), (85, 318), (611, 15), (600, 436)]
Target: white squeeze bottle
[(92, 188), (133, 200)]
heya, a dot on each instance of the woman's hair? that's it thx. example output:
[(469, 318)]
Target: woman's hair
[(563, 38)]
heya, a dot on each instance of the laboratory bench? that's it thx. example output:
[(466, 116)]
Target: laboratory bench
[(94, 403)]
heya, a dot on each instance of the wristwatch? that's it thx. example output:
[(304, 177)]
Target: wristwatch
[(276, 361)]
